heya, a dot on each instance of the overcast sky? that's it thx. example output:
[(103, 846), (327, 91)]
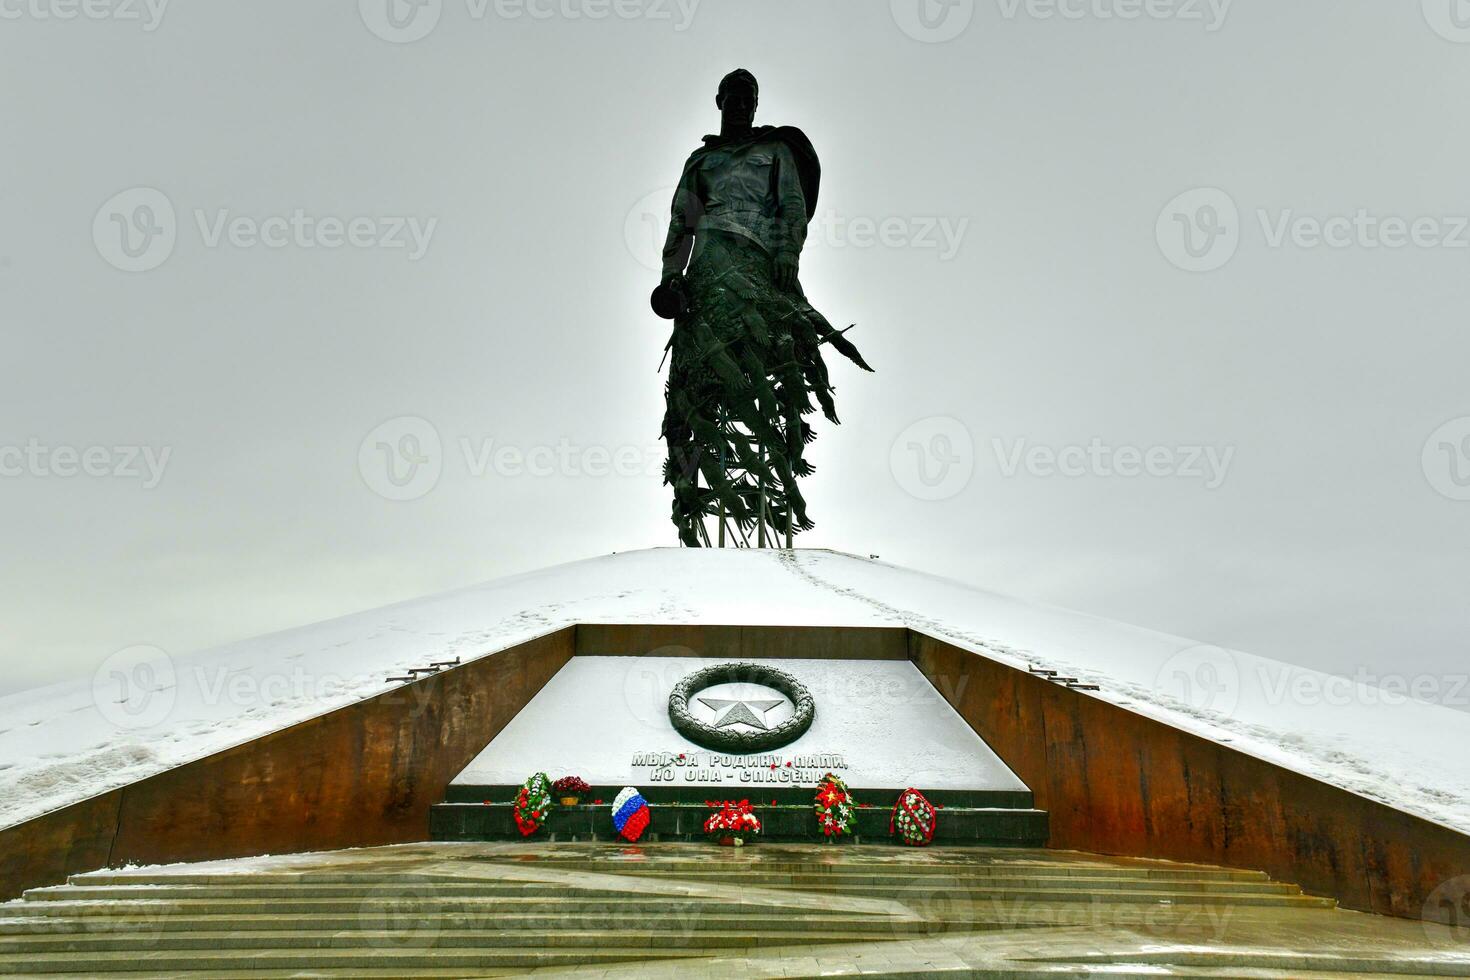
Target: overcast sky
[(1167, 303)]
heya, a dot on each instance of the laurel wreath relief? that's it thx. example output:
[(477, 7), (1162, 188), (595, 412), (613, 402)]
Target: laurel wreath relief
[(729, 740)]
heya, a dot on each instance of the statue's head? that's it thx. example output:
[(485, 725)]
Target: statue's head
[(739, 95)]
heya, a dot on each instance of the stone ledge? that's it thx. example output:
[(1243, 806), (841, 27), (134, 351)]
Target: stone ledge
[(970, 826)]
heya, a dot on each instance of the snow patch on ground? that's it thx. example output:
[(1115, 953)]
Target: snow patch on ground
[(68, 742)]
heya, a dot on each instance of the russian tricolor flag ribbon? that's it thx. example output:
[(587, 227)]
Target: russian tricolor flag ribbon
[(630, 814)]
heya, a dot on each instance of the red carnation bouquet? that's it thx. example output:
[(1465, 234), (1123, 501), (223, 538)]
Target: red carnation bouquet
[(732, 822), (569, 789)]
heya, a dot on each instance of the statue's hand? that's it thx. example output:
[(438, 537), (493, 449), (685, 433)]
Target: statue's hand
[(669, 300), (786, 270)]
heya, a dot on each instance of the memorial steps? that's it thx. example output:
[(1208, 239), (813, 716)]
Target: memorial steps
[(497, 909)]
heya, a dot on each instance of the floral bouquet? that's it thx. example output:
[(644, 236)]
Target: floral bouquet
[(732, 822), (569, 789), (533, 803), (913, 819), (836, 815)]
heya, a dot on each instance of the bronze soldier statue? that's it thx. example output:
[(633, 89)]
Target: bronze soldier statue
[(747, 346)]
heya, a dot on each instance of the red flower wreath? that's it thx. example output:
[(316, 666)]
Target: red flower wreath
[(533, 803), (913, 819), (836, 815)]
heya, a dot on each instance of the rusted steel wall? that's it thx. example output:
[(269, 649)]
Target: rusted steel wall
[(363, 775), (47, 849), (776, 642), (1116, 782)]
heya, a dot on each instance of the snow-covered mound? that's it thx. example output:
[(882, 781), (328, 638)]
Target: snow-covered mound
[(140, 715)]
